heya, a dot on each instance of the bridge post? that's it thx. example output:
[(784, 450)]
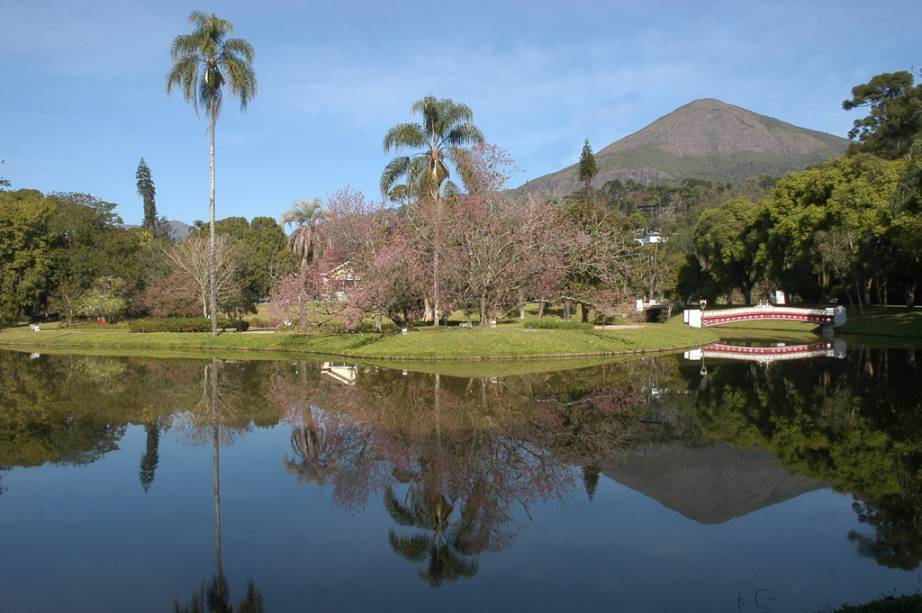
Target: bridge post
[(838, 319), (692, 317)]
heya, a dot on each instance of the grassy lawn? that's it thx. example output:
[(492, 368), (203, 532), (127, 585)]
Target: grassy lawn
[(505, 341), (769, 330), (884, 326), (894, 322)]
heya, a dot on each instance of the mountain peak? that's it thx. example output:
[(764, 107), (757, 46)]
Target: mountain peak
[(708, 139), (707, 102)]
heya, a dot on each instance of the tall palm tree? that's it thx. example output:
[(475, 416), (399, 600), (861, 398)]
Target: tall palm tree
[(203, 62), (447, 126), (304, 215)]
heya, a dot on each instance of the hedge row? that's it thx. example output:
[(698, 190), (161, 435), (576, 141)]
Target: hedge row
[(184, 324), (555, 324)]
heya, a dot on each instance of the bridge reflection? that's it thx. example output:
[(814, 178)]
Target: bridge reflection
[(768, 354)]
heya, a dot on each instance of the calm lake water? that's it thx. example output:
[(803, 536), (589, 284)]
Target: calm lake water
[(663, 484)]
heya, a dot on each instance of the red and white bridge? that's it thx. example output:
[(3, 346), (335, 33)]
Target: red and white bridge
[(767, 355), (832, 316)]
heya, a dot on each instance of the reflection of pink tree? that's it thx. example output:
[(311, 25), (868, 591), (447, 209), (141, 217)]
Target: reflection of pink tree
[(452, 457)]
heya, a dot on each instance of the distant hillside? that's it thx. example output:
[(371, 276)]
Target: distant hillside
[(705, 139), (179, 230), (710, 485)]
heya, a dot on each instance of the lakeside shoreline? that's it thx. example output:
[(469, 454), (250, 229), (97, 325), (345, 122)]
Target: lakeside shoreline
[(506, 343), (431, 345)]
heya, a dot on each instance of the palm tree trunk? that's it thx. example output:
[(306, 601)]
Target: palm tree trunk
[(435, 284), (216, 466), (213, 244)]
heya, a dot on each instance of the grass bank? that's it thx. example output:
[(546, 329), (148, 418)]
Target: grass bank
[(899, 323), (503, 342), (871, 327)]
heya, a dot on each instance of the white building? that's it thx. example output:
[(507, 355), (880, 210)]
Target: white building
[(651, 238)]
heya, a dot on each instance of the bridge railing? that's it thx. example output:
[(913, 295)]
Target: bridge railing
[(830, 315)]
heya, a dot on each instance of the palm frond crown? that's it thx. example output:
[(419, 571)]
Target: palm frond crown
[(445, 125), (205, 60)]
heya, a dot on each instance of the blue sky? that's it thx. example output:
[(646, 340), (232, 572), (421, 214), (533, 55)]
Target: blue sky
[(83, 84)]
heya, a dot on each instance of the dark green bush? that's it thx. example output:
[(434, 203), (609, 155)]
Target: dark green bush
[(184, 324), (555, 324)]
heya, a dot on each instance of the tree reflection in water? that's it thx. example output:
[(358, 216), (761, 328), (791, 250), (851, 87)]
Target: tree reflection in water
[(451, 458), (458, 462), (855, 424), (214, 596)]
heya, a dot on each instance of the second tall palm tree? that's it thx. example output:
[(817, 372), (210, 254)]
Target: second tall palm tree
[(447, 127), (203, 62)]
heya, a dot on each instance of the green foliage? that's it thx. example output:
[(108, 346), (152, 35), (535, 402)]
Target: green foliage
[(185, 324), (447, 126), (727, 243), (840, 208), (105, 300), (862, 438), (588, 168), (894, 117), (554, 324), (89, 243), (205, 60), (885, 604), (25, 263), (264, 254), (304, 215), (148, 193)]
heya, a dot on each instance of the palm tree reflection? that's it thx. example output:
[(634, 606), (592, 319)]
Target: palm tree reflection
[(440, 536), (452, 458), (214, 595)]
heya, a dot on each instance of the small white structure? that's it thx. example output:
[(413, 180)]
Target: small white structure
[(343, 373), (35, 327), (645, 305), (651, 238), (692, 317)]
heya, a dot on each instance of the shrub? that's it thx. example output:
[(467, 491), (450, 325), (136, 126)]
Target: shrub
[(184, 324), (554, 324), (104, 301), (170, 296), (260, 322)]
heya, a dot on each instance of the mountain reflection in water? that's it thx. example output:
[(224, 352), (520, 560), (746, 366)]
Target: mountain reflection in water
[(450, 470)]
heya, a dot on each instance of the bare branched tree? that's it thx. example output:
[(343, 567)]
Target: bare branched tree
[(191, 258)]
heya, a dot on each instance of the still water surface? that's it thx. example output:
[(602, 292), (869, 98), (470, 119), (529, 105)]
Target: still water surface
[(662, 484)]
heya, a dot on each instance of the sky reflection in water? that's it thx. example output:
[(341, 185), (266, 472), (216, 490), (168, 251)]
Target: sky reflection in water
[(637, 486)]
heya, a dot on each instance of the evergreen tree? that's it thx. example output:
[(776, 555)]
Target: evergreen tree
[(590, 480), (148, 192), (894, 118), (151, 456), (587, 165)]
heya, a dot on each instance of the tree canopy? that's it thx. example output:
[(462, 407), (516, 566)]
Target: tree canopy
[(894, 116)]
